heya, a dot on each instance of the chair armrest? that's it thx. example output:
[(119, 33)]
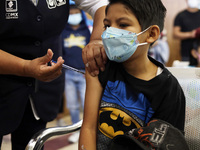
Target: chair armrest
[(38, 140)]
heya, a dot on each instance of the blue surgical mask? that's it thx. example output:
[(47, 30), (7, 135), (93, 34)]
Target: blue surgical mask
[(75, 19), (120, 44)]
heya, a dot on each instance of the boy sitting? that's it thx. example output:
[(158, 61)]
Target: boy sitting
[(134, 88)]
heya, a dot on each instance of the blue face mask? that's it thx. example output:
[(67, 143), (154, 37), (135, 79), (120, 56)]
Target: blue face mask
[(120, 44), (75, 19)]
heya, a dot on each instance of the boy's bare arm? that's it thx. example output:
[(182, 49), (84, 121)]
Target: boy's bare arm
[(92, 99)]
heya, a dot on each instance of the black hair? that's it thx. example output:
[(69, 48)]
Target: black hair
[(147, 12)]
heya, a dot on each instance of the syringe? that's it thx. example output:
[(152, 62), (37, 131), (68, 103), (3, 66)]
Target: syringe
[(69, 67)]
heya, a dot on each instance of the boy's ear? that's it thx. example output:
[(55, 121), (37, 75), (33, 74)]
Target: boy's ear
[(154, 33)]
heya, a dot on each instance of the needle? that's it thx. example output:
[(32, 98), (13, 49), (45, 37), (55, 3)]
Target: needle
[(70, 68)]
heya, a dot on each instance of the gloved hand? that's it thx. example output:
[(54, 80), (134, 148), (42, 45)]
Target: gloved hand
[(197, 34)]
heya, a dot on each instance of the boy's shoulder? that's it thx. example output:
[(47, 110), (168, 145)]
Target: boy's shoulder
[(112, 72), (115, 71)]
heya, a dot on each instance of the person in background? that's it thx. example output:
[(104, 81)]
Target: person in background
[(75, 36), (160, 49), (187, 29), (31, 87), (134, 88)]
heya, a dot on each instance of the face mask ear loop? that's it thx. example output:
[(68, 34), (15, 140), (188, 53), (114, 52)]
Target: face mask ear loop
[(143, 31), (140, 44)]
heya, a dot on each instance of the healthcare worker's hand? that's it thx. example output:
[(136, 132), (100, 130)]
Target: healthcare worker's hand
[(94, 57), (39, 69)]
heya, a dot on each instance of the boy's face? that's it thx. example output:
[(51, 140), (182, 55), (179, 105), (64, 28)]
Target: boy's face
[(118, 16)]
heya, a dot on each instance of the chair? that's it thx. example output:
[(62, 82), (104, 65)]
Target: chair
[(38, 140), (189, 79)]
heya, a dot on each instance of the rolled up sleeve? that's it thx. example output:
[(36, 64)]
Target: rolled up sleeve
[(90, 6)]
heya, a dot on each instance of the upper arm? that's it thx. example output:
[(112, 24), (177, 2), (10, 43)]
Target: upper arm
[(92, 100), (91, 6), (91, 110), (176, 30), (96, 8)]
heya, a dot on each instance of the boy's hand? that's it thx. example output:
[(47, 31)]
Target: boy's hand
[(39, 69), (94, 57)]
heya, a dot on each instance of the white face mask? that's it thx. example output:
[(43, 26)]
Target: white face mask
[(75, 19), (193, 3)]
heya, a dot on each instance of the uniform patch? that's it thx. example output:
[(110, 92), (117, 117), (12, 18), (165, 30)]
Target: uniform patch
[(54, 3), (11, 9)]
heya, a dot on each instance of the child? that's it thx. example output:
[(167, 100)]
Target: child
[(134, 88)]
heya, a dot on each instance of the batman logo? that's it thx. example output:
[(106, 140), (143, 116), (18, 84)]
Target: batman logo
[(113, 122)]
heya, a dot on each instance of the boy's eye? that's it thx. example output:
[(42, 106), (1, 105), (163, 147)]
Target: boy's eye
[(122, 25), (106, 26)]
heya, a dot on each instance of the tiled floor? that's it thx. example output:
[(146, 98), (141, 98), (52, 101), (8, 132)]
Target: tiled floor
[(54, 143)]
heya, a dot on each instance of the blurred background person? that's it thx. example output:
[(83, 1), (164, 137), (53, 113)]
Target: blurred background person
[(74, 37), (160, 49), (186, 28)]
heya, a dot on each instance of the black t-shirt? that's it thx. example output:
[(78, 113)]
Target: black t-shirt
[(187, 21), (128, 102)]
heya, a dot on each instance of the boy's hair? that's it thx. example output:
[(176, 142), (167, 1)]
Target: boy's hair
[(147, 12)]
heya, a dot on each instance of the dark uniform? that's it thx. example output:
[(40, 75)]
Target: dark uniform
[(27, 31)]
